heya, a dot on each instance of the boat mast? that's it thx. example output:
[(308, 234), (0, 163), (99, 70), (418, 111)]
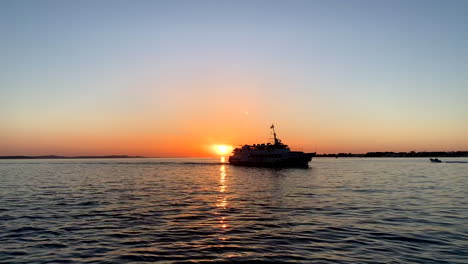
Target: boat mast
[(274, 134)]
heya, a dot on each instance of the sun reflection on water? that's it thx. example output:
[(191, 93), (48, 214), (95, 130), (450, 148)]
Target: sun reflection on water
[(222, 202)]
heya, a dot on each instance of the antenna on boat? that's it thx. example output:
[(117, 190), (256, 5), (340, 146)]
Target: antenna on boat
[(274, 134)]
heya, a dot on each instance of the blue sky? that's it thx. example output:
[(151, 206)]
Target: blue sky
[(387, 68)]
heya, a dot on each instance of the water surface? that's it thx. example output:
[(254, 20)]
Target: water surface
[(200, 210)]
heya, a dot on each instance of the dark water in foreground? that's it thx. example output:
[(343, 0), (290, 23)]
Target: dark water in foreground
[(192, 210)]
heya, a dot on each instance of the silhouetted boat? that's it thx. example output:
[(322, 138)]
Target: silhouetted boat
[(435, 160), (269, 155)]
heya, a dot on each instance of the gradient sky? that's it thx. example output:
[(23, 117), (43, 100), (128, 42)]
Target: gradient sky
[(172, 78)]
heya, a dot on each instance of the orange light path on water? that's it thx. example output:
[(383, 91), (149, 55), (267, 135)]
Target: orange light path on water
[(222, 202)]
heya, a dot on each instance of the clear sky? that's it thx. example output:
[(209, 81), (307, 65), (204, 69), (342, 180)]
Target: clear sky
[(173, 78)]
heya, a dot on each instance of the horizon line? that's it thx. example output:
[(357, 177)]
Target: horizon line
[(215, 156)]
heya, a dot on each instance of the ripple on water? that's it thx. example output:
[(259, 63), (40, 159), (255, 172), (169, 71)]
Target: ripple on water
[(186, 211)]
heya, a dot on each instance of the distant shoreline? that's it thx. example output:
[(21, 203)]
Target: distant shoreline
[(411, 154), (72, 157), (387, 154)]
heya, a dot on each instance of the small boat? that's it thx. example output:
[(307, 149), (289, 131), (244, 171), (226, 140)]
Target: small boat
[(435, 160), (269, 155)]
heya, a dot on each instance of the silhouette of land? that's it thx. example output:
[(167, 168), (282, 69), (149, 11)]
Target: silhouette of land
[(411, 154), (385, 154), (71, 157)]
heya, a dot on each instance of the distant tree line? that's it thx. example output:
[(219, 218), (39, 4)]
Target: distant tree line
[(411, 154), (74, 157)]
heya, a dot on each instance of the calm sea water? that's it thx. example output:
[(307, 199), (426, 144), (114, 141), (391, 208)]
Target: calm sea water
[(199, 210)]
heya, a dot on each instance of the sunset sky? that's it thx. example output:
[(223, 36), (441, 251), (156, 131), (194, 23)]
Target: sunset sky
[(174, 78)]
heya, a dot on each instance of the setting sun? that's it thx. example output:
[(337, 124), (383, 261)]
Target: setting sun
[(222, 149)]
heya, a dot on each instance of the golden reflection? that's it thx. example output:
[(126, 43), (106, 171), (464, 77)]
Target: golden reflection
[(222, 221), (222, 202), (222, 179), (223, 159)]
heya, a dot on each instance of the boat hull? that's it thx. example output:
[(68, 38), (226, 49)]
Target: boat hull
[(297, 162)]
